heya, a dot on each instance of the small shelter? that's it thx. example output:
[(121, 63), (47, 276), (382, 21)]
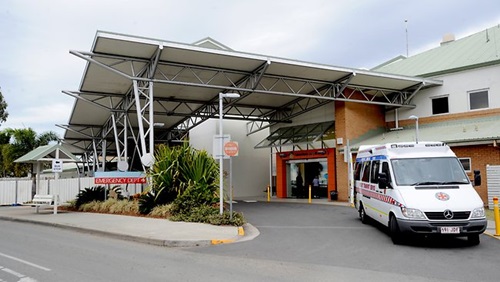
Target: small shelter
[(54, 153)]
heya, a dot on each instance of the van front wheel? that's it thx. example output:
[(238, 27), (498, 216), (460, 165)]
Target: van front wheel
[(394, 231), (473, 239)]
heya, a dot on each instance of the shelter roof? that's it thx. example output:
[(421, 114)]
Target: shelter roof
[(299, 134), (476, 50), (186, 80), (47, 153)]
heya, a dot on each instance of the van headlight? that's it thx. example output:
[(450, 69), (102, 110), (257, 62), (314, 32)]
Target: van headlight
[(412, 213), (478, 213)]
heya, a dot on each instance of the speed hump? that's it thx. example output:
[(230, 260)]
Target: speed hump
[(231, 148)]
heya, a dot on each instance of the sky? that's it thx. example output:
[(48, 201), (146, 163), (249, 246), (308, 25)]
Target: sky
[(36, 37)]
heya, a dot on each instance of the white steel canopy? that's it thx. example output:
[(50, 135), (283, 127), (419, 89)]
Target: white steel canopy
[(149, 90)]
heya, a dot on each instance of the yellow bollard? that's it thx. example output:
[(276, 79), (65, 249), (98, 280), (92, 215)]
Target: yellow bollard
[(309, 201), (268, 193), (497, 216)]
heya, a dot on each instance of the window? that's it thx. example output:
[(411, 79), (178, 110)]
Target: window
[(429, 171), (478, 100), (465, 163), (440, 105), (385, 169), (374, 174), (357, 172), (366, 171)]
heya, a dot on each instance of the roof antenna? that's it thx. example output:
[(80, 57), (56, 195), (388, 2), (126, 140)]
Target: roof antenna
[(406, 31)]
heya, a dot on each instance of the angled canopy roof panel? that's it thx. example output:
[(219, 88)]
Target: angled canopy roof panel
[(297, 135), (188, 78)]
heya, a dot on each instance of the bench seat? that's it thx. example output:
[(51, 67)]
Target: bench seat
[(45, 200)]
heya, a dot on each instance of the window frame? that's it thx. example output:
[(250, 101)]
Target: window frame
[(470, 163), (440, 97), (469, 93)]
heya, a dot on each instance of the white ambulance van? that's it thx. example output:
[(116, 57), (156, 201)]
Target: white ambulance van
[(418, 188)]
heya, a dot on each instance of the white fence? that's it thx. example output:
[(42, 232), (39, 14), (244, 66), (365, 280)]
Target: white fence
[(18, 191), (493, 177)]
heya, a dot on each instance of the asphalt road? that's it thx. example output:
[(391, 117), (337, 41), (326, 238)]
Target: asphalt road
[(333, 236), (297, 242)]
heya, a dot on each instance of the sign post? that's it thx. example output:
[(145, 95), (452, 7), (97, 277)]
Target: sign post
[(231, 149)]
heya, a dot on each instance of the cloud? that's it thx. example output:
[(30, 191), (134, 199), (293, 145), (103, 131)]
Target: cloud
[(41, 117), (35, 64)]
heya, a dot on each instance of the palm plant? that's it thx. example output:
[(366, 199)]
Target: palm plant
[(177, 169), (19, 143)]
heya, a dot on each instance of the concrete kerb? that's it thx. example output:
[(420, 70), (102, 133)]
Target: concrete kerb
[(490, 230)]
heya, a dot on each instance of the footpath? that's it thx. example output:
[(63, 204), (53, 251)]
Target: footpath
[(153, 231)]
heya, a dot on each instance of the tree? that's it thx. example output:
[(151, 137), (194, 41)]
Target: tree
[(3, 108), (19, 143)]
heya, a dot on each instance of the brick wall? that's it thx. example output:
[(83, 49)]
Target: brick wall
[(352, 120), (480, 155)]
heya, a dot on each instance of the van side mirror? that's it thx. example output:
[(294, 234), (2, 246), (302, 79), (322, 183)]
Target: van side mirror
[(383, 182), (477, 178)]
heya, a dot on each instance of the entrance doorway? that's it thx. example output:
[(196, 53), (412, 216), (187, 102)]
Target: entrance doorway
[(301, 174), (296, 170)]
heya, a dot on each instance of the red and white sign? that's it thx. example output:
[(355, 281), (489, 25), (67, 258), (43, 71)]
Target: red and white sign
[(231, 148), (119, 177), (119, 180)]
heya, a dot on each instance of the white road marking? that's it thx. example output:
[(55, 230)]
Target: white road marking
[(23, 277), (25, 262), (10, 271), (27, 279)]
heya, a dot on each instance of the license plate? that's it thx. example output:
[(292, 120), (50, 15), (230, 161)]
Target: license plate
[(450, 230)]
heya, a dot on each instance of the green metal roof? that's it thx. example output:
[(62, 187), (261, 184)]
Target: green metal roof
[(47, 153), (451, 132), (476, 50)]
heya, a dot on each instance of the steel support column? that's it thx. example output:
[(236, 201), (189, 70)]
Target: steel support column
[(143, 92)]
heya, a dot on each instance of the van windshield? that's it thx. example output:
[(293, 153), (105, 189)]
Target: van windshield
[(429, 171)]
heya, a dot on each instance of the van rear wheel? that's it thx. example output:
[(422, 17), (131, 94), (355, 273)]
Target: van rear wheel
[(396, 235), (362, 214)]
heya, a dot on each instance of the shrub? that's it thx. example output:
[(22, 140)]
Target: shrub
[(173, 171), (96, 193), (112, 206), (125, 207), (92, 206), (146, 203), (162, 211), (106, 206), (211, 215), (195, 195)]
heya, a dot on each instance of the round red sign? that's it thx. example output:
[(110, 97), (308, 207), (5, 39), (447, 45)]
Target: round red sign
[(231, 148)]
